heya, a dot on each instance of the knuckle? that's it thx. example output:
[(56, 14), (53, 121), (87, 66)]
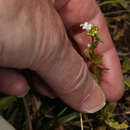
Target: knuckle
[(52, 41), (79, 82)]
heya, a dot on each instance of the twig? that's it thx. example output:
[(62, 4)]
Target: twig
[(81, 121), (116, 12)]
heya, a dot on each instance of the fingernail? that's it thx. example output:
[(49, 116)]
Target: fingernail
[(28, 88), (95, 101)]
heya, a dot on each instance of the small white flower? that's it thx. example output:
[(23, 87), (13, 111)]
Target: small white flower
[(86, 26), (89, 45)]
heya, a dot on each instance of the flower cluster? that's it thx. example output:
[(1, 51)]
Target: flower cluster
[(91, 30)]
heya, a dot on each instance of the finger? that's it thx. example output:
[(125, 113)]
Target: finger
[(41, 86), (112, 75), (60, 3), (12, 83), (110, 60)]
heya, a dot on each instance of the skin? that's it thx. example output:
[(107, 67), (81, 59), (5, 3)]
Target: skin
[(34, 36)]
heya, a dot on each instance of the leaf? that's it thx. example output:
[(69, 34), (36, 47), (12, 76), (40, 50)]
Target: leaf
[(62, 112), (109, 108), (4, 102), (126, 65), (67, 118), (127, 83), (107, 112), (98, 59), (97, 73), (98, 39), (87, 53), (114, 124)]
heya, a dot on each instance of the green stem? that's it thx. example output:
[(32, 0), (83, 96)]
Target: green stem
[(27, 113), (92, 45)]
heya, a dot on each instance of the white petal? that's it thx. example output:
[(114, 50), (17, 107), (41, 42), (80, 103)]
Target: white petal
[(86, 26)]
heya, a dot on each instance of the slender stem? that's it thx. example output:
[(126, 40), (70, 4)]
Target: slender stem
[(93, 54), (113, 2), (27, 113), (81, 121)]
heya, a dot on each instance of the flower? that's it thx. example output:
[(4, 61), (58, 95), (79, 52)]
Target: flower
[(86, 26)]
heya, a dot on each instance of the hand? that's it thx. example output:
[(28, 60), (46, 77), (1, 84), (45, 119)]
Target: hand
[(33, 36)]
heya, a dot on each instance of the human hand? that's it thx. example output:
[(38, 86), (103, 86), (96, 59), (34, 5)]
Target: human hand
[(36, 32), (112, 82)]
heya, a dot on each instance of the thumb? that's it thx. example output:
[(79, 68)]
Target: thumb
[(72, 82)]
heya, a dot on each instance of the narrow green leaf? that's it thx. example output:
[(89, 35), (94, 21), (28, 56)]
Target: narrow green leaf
[(87, 53), (27, 113), (94, 46), (107, 112), (4, 102), (126, 65), (67, 118), (98, 39), (62, 112), (127, 82), (98, 59), (109, 108), (97, 73)]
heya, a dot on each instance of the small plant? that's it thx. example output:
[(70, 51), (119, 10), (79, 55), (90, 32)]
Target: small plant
[(95, 60)]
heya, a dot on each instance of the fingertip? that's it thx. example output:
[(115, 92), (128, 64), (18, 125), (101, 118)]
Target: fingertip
[(112, 80), (113, 92), (13, 83), (20, 90), (95, 101)]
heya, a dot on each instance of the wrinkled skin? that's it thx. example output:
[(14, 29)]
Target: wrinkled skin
[(33, 36)]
